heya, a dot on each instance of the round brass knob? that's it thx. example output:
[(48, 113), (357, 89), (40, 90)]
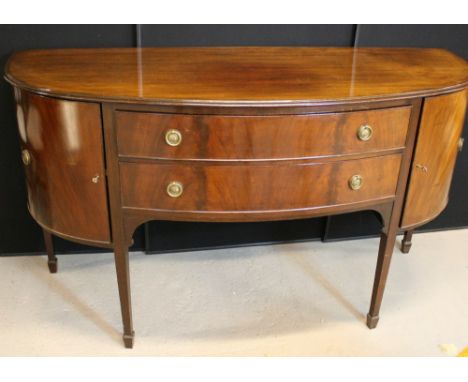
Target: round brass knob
[(355, 182), (364, 132), (173, 137), (174, 189), (461, 141), (26, 157), (95, 178)]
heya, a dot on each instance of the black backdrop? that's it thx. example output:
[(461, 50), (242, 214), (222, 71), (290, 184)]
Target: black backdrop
[(20, 234)]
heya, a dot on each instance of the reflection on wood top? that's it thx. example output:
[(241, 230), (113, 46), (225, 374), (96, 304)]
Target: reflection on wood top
[(238, 75)]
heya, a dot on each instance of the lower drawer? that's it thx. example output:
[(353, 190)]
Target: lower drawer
[(256, 187)]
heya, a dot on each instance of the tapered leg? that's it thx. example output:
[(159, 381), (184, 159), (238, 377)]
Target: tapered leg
[(123, 280), (406, 242), (387, 242), (51, 259), (391, 215)]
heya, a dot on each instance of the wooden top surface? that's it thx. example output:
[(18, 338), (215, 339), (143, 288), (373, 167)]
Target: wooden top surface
[(238, 75)]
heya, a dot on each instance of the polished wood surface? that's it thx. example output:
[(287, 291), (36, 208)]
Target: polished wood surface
[(267, 134), (63, 140), (260, 137), (434, 159), (256, 187), (238, 75)]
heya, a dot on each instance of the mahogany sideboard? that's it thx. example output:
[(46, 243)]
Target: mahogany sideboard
[(113, 138)]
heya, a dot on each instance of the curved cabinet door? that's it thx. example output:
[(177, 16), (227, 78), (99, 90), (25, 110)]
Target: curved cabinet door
[(62, 151), (434, 158)]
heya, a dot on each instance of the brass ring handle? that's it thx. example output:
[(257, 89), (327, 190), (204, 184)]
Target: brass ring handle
[(364, 132), (355, 182), (175, 189), (173, 137), (26, 157)]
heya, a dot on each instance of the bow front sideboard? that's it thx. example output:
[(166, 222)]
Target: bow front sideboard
[(113, 138)]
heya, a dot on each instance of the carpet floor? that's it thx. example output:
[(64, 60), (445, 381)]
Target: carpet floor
[(302, 299)]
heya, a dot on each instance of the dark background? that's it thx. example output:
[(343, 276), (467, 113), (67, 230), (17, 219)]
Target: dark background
[(20, 234)]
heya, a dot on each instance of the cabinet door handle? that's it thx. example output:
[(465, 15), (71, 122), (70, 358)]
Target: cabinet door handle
[(26, 157)]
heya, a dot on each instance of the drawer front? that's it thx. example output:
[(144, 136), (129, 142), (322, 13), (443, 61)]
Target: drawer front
[(256, 187), (177, 136)]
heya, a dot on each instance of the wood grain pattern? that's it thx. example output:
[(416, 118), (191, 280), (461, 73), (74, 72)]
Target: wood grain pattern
[(434, 159), (256, 187), (259, 137), (238, 75), (64, 141)]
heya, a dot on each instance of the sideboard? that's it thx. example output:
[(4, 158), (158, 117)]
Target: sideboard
[(113, 138)]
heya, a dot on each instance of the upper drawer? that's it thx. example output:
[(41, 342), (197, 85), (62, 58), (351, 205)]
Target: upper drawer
[(221, 137)]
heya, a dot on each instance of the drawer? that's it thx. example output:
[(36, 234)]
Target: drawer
[(257, 186), (177, 136)]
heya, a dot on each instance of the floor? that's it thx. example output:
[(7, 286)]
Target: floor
[(305, 299)]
